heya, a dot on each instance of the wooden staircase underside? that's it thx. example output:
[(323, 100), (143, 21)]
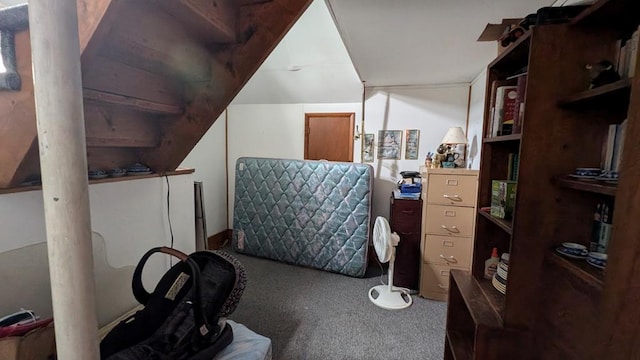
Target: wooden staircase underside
[(156, 75)]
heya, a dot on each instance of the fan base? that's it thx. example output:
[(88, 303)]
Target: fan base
[(393, 300)]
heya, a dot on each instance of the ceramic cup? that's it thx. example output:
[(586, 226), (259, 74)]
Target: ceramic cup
[(597, 258), (574, 248)]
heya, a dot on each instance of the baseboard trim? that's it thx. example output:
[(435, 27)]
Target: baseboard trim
[(219, 240)]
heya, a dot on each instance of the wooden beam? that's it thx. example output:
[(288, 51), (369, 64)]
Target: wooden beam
[(268, 23), (17, 115), (65, 192), (103, 74), (146, 37), (211, 21), (132, 103), (108, 127)]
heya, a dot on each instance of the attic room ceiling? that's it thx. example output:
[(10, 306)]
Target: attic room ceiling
[(422, 42), (411, 42)]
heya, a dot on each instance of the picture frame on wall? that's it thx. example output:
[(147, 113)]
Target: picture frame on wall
[(367, 152), (389, 144), (412, 144)]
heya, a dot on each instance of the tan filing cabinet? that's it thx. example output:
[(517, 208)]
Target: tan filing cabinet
[(448, 225)]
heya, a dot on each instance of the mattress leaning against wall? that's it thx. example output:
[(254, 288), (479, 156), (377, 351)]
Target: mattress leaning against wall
[(308, 213)]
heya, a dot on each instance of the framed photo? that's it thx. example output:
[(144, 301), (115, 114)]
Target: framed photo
[(367, 153), (389, 144), (411, 145)]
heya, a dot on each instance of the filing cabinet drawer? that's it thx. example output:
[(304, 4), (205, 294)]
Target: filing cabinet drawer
[(449, 220), (457, 190), (435, 281), (447, 251)]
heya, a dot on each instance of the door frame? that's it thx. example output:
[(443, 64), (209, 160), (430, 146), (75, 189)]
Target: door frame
[(352, 122)]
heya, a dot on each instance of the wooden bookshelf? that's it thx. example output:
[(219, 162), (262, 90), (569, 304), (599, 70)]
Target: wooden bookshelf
[(579, 268), (554, 307), (616, 93), (460, 345), (503, 138), (588, 186), (501, 223)]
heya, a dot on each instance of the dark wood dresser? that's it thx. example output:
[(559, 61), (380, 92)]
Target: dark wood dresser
[(406, 218)]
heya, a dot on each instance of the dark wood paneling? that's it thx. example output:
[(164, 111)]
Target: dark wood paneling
[(105, 98), (212, 21), (106, 75), (119, 128)]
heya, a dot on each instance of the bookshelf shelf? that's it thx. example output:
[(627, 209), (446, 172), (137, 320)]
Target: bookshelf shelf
[(514, 57), (588, 186), (504, 138), (616, 93), (495, 298), (461, 346), (578, 268), (502, 224)]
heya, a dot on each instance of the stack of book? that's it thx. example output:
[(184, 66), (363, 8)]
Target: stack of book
[(512, 166), (627, 55), (507, 105)]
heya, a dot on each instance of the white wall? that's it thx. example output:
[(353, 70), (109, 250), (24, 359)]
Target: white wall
[(278, 130), (127, 218), (476, 115), (208, 158), (273, 131), (432, 110)]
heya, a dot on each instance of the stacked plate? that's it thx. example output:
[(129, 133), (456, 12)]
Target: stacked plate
[(499, 280), (138, 169)]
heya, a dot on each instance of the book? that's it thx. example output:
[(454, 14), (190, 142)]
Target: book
[(608, 148), (491, 130), (520, 102), (595, 230), (633, 54), (606, 227), (505, 107), (618, 146)]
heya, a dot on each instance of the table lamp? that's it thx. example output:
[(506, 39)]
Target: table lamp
[(454, 136)]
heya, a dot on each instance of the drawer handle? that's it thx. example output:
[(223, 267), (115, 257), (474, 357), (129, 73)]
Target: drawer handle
[(449, 259), (453, 229), (443, 287), (452, 197)]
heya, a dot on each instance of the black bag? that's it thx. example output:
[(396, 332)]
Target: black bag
[(184, 317)]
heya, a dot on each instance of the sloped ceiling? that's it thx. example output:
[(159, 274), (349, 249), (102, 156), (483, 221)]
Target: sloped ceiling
[(422, 42), (310, 65), (388, 42)]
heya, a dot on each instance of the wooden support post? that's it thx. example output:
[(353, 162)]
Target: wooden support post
[(58, 96)]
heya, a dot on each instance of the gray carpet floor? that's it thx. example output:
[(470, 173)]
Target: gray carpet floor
[(312, 314)]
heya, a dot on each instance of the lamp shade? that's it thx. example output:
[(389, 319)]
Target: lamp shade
[(454, 135)]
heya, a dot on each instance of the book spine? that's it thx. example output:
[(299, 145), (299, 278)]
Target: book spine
[(605, 228), (595, 231), (633, 55), (497, 118), (510, 167), (609, 148), (516, 164), (521, 88)]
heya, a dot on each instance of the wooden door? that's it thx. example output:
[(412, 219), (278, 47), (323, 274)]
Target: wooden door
[(329, 136)]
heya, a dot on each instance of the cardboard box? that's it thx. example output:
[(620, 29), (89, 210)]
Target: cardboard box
[(38, 344), (503, 197), (493, 32)]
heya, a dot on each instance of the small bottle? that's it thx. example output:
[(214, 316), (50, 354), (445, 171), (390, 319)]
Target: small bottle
[(491, 264)]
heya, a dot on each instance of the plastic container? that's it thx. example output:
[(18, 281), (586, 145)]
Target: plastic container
[(491, 264)]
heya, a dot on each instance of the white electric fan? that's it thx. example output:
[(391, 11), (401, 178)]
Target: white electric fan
[(385, 242)]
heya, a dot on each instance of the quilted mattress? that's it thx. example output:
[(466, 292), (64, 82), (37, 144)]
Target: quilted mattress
[(308, 213)]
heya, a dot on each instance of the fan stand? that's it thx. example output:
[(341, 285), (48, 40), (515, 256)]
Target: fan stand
[(390, 297)]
